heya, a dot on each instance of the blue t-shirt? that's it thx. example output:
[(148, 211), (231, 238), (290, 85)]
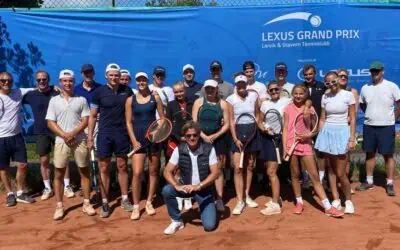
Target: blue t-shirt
[(193, 91), (111, 106), (39, 102), (81, 91)]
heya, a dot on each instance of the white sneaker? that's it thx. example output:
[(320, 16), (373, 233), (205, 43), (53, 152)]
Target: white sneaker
[(349, 207), (68, 192), (174, 227), (250, 202), (238, 208), (336, 204), (271, 209), (47, 193), (180, 203), (220, 205), (187, 203)]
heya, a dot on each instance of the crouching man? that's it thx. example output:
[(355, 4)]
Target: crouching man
[(197, 162)]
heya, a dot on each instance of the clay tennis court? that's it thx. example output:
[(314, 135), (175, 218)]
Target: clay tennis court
[(376, 225)]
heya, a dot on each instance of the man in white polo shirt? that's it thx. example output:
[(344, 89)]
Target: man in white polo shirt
[(67, 116), (377, 101), (12, 144)]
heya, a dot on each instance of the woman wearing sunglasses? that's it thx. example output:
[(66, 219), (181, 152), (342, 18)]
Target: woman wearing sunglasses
[(337, 135), (267, 147)]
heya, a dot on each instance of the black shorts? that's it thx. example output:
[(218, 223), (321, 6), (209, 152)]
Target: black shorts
[(117, 144), (44, 144), (381, 138), (12, 148), (253, 145), (267, 148)]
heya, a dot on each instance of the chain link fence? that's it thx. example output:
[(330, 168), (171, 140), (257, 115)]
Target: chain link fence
[(171, 3)]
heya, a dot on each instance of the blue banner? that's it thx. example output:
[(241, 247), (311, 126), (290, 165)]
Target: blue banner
[(328, 36)]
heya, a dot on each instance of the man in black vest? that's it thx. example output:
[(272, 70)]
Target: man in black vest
[(197, 162)]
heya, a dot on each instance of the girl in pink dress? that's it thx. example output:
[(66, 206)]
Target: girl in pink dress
[(302, 152)]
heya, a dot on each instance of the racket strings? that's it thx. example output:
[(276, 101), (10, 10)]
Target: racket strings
[(159, 131), (273, 121), (245, 127), (304, 125)]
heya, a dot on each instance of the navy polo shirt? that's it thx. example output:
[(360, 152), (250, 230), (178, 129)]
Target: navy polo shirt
[(111, 106), (192, 92), (88, 94), (317, 90), (39, 102)]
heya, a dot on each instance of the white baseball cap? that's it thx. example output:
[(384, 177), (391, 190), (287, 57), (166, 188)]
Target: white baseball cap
[(66, 73), (210, 83), (113, 66), (241, 78), (125, 72), (139, 74), (187, 66)]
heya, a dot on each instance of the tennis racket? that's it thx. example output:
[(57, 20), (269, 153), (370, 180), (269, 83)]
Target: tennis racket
[(273, 122), (157, 132), (94, 174), (253, 91), (246, 128), (178, 120), (285, 93), (209, 119), (302, 126)]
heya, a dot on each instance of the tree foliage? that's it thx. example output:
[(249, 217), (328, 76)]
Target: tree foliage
[(20, 3), (174, 3)]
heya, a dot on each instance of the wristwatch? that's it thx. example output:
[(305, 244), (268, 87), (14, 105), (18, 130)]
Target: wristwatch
[(201, 185)]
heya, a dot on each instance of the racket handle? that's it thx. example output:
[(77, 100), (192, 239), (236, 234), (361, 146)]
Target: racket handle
[(278, 156), (131, 153), (241, 159), (92, 155)]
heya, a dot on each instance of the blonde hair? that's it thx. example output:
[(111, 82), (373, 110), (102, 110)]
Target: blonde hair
[(303, 87)]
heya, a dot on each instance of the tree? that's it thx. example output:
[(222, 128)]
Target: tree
[(20, 3), (174, 3)]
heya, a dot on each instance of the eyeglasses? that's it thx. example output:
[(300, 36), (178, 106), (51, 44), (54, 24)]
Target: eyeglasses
[(6, 80), (41, 80), (333, 82), (191, 135), (344, 76), (273, 90)]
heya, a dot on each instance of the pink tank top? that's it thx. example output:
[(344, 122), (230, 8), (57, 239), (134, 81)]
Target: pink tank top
[(302, 148)]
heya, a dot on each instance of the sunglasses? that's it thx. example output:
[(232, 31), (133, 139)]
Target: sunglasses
[(6, 80), (375, 71), (191, 135), (273, 90), (188, 72), (41, 80), (160, 76), (333, 82), (344, 76)]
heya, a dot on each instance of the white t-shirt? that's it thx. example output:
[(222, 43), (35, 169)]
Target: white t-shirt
[(10, 112), (380, 100), (279, 105), (193, 157), (289, 87), (259, 87), (166, 93), (243, 106), (337, 107), (68, 114)]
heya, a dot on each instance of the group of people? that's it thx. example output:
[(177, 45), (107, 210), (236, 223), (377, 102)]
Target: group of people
[(113, 118)]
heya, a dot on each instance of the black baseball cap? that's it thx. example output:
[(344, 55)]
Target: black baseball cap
[(248, 65), (216, 65), (159, 70), (280, 66), (87, 67)]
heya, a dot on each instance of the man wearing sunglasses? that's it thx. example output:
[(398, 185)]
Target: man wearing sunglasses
[(166, 93), (377, 101), (39, 101), (281, 72), (12, 143), (198, 166), (192, 88)]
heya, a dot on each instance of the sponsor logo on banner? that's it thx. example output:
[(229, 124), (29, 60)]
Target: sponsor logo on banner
[(353, 73), (311, 34)]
